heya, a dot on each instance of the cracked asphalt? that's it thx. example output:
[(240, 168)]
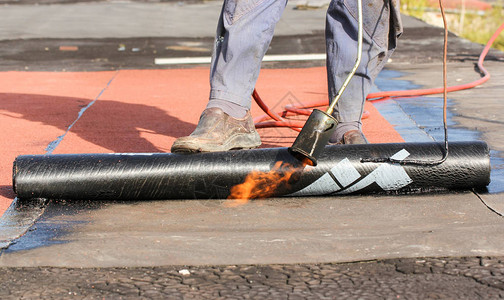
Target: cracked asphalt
[(420, 278)]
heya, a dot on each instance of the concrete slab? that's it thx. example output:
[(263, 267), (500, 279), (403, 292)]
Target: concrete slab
[(292, 230)]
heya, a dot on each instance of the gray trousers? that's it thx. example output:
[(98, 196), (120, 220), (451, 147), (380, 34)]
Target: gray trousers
[(245, 31)]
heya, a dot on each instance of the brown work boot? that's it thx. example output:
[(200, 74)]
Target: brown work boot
[(353, 137), (217, 131)]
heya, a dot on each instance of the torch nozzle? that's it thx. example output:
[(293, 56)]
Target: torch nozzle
[(314, 136)]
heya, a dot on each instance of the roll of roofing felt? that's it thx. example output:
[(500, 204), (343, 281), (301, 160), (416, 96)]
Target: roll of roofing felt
[(340, 171)]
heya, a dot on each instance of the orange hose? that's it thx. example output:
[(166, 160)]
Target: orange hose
[(280, 121)]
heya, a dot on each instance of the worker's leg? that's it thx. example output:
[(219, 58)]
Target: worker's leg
[(379, 41), (244, 33)]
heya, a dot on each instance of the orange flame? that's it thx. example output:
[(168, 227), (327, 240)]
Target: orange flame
[(262, 184)]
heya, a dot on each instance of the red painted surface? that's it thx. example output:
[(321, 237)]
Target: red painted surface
[(35, 108), (141, 111)]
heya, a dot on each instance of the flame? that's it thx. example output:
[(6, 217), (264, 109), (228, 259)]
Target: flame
[(262, 184)]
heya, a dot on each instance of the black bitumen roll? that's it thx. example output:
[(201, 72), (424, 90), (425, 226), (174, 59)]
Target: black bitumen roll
[(340, 170)]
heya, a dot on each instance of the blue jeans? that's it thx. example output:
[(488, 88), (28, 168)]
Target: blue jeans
[(245, 31)]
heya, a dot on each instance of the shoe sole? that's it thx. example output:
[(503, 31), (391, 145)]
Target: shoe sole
[(244, 140)]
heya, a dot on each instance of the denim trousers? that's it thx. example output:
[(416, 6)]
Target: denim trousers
[(246, 28)]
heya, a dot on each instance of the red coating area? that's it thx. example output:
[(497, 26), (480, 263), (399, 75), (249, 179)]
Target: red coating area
[(140, 111), (36, 108)]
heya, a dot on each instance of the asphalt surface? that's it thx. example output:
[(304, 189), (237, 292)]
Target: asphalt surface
[(471, 221), (420, 278), (99, 51)]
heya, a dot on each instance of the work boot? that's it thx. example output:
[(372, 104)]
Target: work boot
[(217, 131), (352, 137)]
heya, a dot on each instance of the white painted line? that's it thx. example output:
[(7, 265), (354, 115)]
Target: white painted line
[(268, 58), (295, 57), (182, 60)]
